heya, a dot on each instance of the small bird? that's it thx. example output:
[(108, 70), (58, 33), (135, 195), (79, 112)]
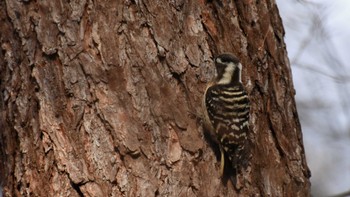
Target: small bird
[(226, 111)]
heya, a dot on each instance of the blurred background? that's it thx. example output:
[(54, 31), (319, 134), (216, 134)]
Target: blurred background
[(318, 43)]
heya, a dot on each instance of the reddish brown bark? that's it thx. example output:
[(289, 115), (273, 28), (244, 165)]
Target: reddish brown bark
[(101, 98)]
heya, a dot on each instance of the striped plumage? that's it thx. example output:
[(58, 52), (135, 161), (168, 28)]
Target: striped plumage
[(227, 109)]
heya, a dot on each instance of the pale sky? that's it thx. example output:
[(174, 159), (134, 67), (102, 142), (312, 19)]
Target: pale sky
[(318, 43)]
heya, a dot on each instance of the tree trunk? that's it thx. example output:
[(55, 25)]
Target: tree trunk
[(103, 98)]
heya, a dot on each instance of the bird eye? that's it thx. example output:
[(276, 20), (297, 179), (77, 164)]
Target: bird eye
[(225, 60), (219, 60)]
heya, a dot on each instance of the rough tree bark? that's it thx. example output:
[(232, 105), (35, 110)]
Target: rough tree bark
[(101, 98)]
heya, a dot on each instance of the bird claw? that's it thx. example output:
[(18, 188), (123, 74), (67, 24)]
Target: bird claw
[(222, 165)]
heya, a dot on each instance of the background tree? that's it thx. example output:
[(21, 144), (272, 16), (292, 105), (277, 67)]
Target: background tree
[(317, 48), (101, 98)]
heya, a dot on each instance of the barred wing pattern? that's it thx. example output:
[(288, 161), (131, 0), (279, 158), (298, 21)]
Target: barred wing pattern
[(228, 110)]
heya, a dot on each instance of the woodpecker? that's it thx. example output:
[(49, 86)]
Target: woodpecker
[(226, 107)]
